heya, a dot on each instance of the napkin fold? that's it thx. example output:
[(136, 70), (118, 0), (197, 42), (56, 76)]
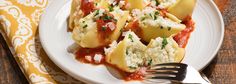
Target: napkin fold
[(19, 21)]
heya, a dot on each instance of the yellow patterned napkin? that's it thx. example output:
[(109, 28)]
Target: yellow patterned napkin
[(19, 22)]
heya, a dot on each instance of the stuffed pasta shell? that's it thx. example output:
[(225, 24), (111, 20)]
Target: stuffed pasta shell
[(82, 8), (99, 28), (182, 8), (163, 50), (128, 54), (151, 23)]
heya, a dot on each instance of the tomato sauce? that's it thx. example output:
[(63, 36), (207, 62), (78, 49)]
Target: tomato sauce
[(104, 31), (87, 7), (182, 37), (82, 52), (137, 75)]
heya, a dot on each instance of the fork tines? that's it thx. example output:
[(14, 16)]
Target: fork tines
[(170, 71)]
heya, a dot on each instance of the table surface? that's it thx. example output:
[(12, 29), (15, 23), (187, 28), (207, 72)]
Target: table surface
[(222, 70)]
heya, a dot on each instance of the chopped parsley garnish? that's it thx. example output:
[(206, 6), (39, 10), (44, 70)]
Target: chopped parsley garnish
[(155, 17), (83, 21), (115, 20), (106, 17), (157, 13), (126, 52), (169, 28), (149, 62), (121, 30), (143, 18), (131, 38), (97, 12), (85, 26), (157, 3), (164, 43), (111, 8), (104, 28), (131, 67), (150, 15)]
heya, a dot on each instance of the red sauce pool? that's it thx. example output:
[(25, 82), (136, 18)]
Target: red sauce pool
[(82, 52)]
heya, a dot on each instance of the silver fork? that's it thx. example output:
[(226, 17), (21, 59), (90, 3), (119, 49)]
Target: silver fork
[(174, 73)]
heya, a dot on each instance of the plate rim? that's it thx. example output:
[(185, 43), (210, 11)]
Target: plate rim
[(221, 37)]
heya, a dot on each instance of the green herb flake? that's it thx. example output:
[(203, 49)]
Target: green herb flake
[(115, 20), (150, 15), (169, 28), (131, 67), (157, 13), (111, 8), (143, 18), (157, 3), (104, 28), (121, 30), (164, 43), (106, 17), (126, 52), (97, 12), (85, 26), (155, 17), (131, 38), (149, 62)]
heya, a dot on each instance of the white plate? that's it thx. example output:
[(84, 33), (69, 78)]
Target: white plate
[(203, 45)]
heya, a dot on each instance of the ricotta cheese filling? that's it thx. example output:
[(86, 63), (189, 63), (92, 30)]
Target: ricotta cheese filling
[(151, 17), (161, 50), (134, 53), (162, 3)]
